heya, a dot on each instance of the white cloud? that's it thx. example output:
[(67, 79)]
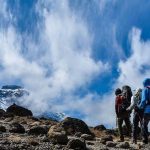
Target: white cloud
[(104, 3), (60, 63), (57, 65), (132, 70)]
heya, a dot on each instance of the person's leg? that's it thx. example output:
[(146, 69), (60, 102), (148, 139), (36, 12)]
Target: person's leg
[(120, 122), (141, 122), (145, 128), (135, 126), (128, 125)]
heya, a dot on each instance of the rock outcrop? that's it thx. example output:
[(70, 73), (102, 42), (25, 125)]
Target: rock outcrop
[(18, 110), (77, 144), (57, 135), (73, 125), (37, 130), (100, 128), (16, 128)]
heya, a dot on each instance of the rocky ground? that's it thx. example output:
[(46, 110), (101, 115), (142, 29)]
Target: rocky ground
[(19, 130)]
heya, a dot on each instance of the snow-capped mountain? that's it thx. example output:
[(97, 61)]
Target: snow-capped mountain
[(10, 94), (53, 116)]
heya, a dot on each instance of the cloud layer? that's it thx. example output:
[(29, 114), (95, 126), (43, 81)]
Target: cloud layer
[(55, 61), (57, 65)]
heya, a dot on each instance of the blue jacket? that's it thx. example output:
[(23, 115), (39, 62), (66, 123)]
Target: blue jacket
[(145, 101)]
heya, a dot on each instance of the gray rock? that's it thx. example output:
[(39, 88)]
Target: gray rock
[(87, 137), (90, 143), (111, 144), (18, 110), (16, 128), (106, 138), (34, 143), (78, 134), (45, 139), (76, 144), (100, 127), (110, 132), (57, 135), (2, 129), (37, 130), (73, 125), (124, 145)]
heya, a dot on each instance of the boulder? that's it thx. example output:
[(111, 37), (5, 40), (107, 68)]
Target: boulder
[(73, 125), (45, 139), (36, 123), (2, 129), (9, 119), (33, 118), (87, 137), (57, 135), (37, 130), (106, 138), (124, 145), (33, 142), (14, 138), (111, 144), (8, 115), (76, 144), (110, 132), (58, 138), (90, 142), (100, 127), (78, 134), (18, 110), (16, 128)]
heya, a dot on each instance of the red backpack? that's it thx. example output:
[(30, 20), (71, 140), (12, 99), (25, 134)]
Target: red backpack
[(121, 104)]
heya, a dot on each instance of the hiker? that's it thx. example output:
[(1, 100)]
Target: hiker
[(121, 104), (138, 113), (145, 105)]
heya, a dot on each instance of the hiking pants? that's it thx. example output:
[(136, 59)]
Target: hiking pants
[(146, 119), (137, 117), (127, 123)]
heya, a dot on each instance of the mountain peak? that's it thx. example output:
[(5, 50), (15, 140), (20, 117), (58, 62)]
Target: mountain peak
[(12, 87)]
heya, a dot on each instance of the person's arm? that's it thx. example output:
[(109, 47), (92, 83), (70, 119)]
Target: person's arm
[(144, 98), (116, 106), (133, 103)]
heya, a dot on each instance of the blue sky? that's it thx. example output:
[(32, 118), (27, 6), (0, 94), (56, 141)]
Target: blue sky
[(71, 55)]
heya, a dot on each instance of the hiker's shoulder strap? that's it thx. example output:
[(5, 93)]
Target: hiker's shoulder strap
[(148, 93)]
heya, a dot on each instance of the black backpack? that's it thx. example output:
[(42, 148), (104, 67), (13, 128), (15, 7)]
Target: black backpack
[(127, 94)]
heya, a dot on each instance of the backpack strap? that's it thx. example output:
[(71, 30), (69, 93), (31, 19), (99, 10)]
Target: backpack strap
[(148, 93)]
